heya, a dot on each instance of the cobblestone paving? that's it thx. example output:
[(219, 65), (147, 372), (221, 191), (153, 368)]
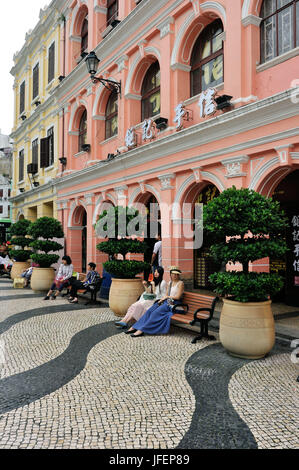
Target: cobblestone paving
[(70, 379)]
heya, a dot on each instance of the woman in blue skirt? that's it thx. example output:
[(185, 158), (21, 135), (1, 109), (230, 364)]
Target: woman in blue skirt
[(156, 319)]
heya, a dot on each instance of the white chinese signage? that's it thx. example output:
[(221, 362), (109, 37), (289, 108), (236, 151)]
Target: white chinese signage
[(207, 103), (295, 235), (148, 129), (130, 138)]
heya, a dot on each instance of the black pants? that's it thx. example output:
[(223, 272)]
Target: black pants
[(75, 286)]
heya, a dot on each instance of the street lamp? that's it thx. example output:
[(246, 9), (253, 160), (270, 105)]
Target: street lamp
[(92, 63)]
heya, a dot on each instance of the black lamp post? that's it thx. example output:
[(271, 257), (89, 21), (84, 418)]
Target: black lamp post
[(92, 63)]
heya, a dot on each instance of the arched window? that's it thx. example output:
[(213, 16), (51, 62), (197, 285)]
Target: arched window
[(207, 59), (84, 35), (150, 104), (82, 130), (279, 27), (112, 116)]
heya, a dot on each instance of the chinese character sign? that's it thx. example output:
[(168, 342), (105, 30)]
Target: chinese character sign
[(207, 103), (130, 138), (180, 112), (295, 249), (148, 129)]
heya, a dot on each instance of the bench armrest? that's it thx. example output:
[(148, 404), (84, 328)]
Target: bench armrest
[(183, 312), (203, 309)]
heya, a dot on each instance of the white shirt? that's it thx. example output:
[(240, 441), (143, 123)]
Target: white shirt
[(158, 251), (6, 261), (65, 271)]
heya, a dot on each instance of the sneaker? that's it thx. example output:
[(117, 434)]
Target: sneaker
[(46, 298), (120, 323)]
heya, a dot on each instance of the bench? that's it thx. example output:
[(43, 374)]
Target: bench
[(196, 308), (92, 288)]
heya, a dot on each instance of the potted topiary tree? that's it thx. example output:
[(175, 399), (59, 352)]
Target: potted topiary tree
[(125, 287), (245, 226), (43, 230), (20, 240)]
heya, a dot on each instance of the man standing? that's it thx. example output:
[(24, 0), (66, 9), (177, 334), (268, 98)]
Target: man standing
[(157, 253)]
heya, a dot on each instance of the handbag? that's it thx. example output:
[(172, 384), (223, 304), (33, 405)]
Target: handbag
[(59, 282)]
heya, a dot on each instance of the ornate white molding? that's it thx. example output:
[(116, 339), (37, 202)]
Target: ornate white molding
[(235, 165), (122, 63), (166, 181), (89, 199), (179, 66), (165, 27), (251, 19), (214, 6), (120, 192)]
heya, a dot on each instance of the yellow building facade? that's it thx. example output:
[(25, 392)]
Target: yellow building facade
[(36, 120)]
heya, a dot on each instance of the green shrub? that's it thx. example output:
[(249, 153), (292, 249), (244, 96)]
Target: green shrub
[(18, 232), (42, 231), (122, 269), (255, 227)]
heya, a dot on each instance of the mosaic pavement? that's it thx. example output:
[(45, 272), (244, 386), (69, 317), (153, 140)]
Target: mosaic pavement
[(70, 379)]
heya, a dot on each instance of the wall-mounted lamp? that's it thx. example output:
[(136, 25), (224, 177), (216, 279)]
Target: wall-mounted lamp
[(37, 103), (223, 101), (85, 147), (92, 63), (63, 160), (23, 117), (110, 156), (22, 190), (35, 184), (161, 123), (61, 77)]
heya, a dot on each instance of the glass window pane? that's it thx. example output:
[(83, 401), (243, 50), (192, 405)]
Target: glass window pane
[(285, 30), (269, 7), (217, 43), (155, 103), (268, 39), (212, 73), (282, 3), (206, 49), (195, 82)]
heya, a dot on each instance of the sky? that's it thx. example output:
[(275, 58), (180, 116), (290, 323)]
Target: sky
[(16, 18)]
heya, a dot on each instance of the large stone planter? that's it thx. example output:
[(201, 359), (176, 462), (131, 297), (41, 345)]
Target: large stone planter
[(42, 279), (247, 330), (123, 293), (18, 267)]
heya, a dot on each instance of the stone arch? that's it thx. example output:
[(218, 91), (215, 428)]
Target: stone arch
[(251, 7), (273, 178), (78, 14), (262, 173), (20, 214), (76, 213), (189, 190), (139, 68), (100, 203), (76, 114), (190, 30), (137, 195), (100, 102)]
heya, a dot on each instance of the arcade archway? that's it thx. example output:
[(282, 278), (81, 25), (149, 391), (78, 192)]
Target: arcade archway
[(287, 193)]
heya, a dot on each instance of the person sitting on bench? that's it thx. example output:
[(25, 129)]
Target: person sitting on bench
[(91, 278)]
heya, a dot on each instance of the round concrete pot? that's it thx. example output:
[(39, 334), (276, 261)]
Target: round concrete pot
[(42, 279), (18, 267), (247, 329), (123, 293)]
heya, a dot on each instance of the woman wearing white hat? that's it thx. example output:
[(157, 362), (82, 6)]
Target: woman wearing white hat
[(156, 319)]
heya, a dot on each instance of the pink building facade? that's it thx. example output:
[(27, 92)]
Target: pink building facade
[(173, 59)]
